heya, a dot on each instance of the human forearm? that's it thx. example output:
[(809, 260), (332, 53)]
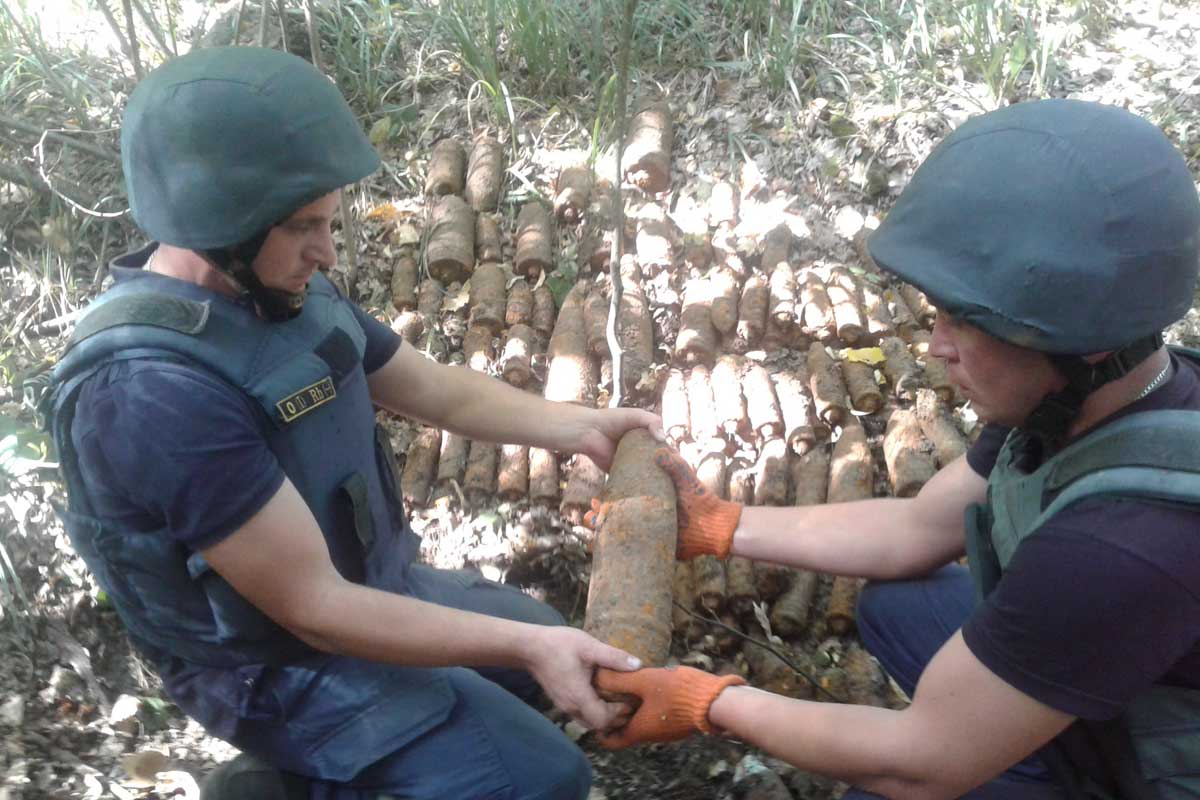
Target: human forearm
[(865, 746), (354, 620), (483, 408), (868, 538)]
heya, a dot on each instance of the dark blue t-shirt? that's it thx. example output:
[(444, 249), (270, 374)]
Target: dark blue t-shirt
[(1105, 600), (163, 444)]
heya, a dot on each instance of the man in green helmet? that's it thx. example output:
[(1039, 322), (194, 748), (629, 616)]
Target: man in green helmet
[(1057, 239), (227, 484)]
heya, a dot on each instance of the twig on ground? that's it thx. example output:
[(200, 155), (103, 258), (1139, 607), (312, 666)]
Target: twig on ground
[(614, 260), (264, 11), (152, 24), (81, 207), (57, 135), (766, 645), (133, 42), (281, 8)]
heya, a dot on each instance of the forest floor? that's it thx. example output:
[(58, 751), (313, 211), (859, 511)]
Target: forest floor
[(82, 717)]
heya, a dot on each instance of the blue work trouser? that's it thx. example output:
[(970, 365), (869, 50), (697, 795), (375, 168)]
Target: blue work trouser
[(903, 624), (490, 746)]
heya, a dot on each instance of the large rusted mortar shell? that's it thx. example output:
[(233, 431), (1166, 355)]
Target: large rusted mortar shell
[(633, 565)]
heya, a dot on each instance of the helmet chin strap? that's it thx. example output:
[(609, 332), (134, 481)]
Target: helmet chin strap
[(1052, 419), (274, 305)]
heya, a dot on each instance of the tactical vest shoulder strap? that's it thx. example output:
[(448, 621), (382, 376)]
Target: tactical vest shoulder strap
[(1154, 455), (144, 308)]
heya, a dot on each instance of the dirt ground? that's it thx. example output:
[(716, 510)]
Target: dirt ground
[(82, 717)]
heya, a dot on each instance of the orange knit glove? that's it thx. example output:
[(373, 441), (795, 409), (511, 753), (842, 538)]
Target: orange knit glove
[(706, 522), (675, 703)]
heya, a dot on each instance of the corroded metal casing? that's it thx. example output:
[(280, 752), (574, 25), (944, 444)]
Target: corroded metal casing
[(633, 565)]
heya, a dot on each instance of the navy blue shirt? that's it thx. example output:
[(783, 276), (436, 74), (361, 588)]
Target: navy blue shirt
[(163, 443), (1105, 600)]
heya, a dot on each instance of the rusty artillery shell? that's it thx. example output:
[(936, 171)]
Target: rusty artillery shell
[(712, 471), (447, 168), (535, 241), (697, 339), (585, 482), (843, 597), (647, 155), (936, 372), (420, 467), (543, 476), (783, 294), (512, 474), (900, 368), (864, 681), (772, 674), (702, 414), (903, 319), (573, 372), (799, 413), (908, 454), (725, 290), (410, 325), (771, 475), (488, 241), (675, 414), (723, 204), (708, 579), (452, 458), (544, 311), (595, 319), (518, 350), (791, 611), (752, 312), (429, 300), (819, 321), (763, 407), (875, 310), (939, 429), (740, 589), (633, 565), (595, 246), (740, 480), (771, 580), (828, 389), (451, 249), (488, 297), (571, 193), (918, 304), (477, 348), (683, 590), (842, 290), (635, 331), (404, 283), (726, 381), (485, 172), (851, 471), (810, 477), (518, 310), (479, 482), (655, 242), (862, 386)]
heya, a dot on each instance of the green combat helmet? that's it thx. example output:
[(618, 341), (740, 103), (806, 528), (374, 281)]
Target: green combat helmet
[(220, 145), (1067, 227)]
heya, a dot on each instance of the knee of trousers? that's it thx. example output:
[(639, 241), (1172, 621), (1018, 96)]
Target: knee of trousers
[(560, 771)]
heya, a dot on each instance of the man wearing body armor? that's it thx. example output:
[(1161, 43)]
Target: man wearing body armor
[(1057, 239), (228, 486)]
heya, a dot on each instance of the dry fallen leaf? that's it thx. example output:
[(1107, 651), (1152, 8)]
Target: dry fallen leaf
[(143, 767)]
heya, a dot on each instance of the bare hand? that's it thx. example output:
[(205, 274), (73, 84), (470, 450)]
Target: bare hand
[(606, 427), (562, 660)]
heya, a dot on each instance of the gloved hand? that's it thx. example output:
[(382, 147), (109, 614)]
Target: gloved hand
[(675, 703), (706, 522)]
